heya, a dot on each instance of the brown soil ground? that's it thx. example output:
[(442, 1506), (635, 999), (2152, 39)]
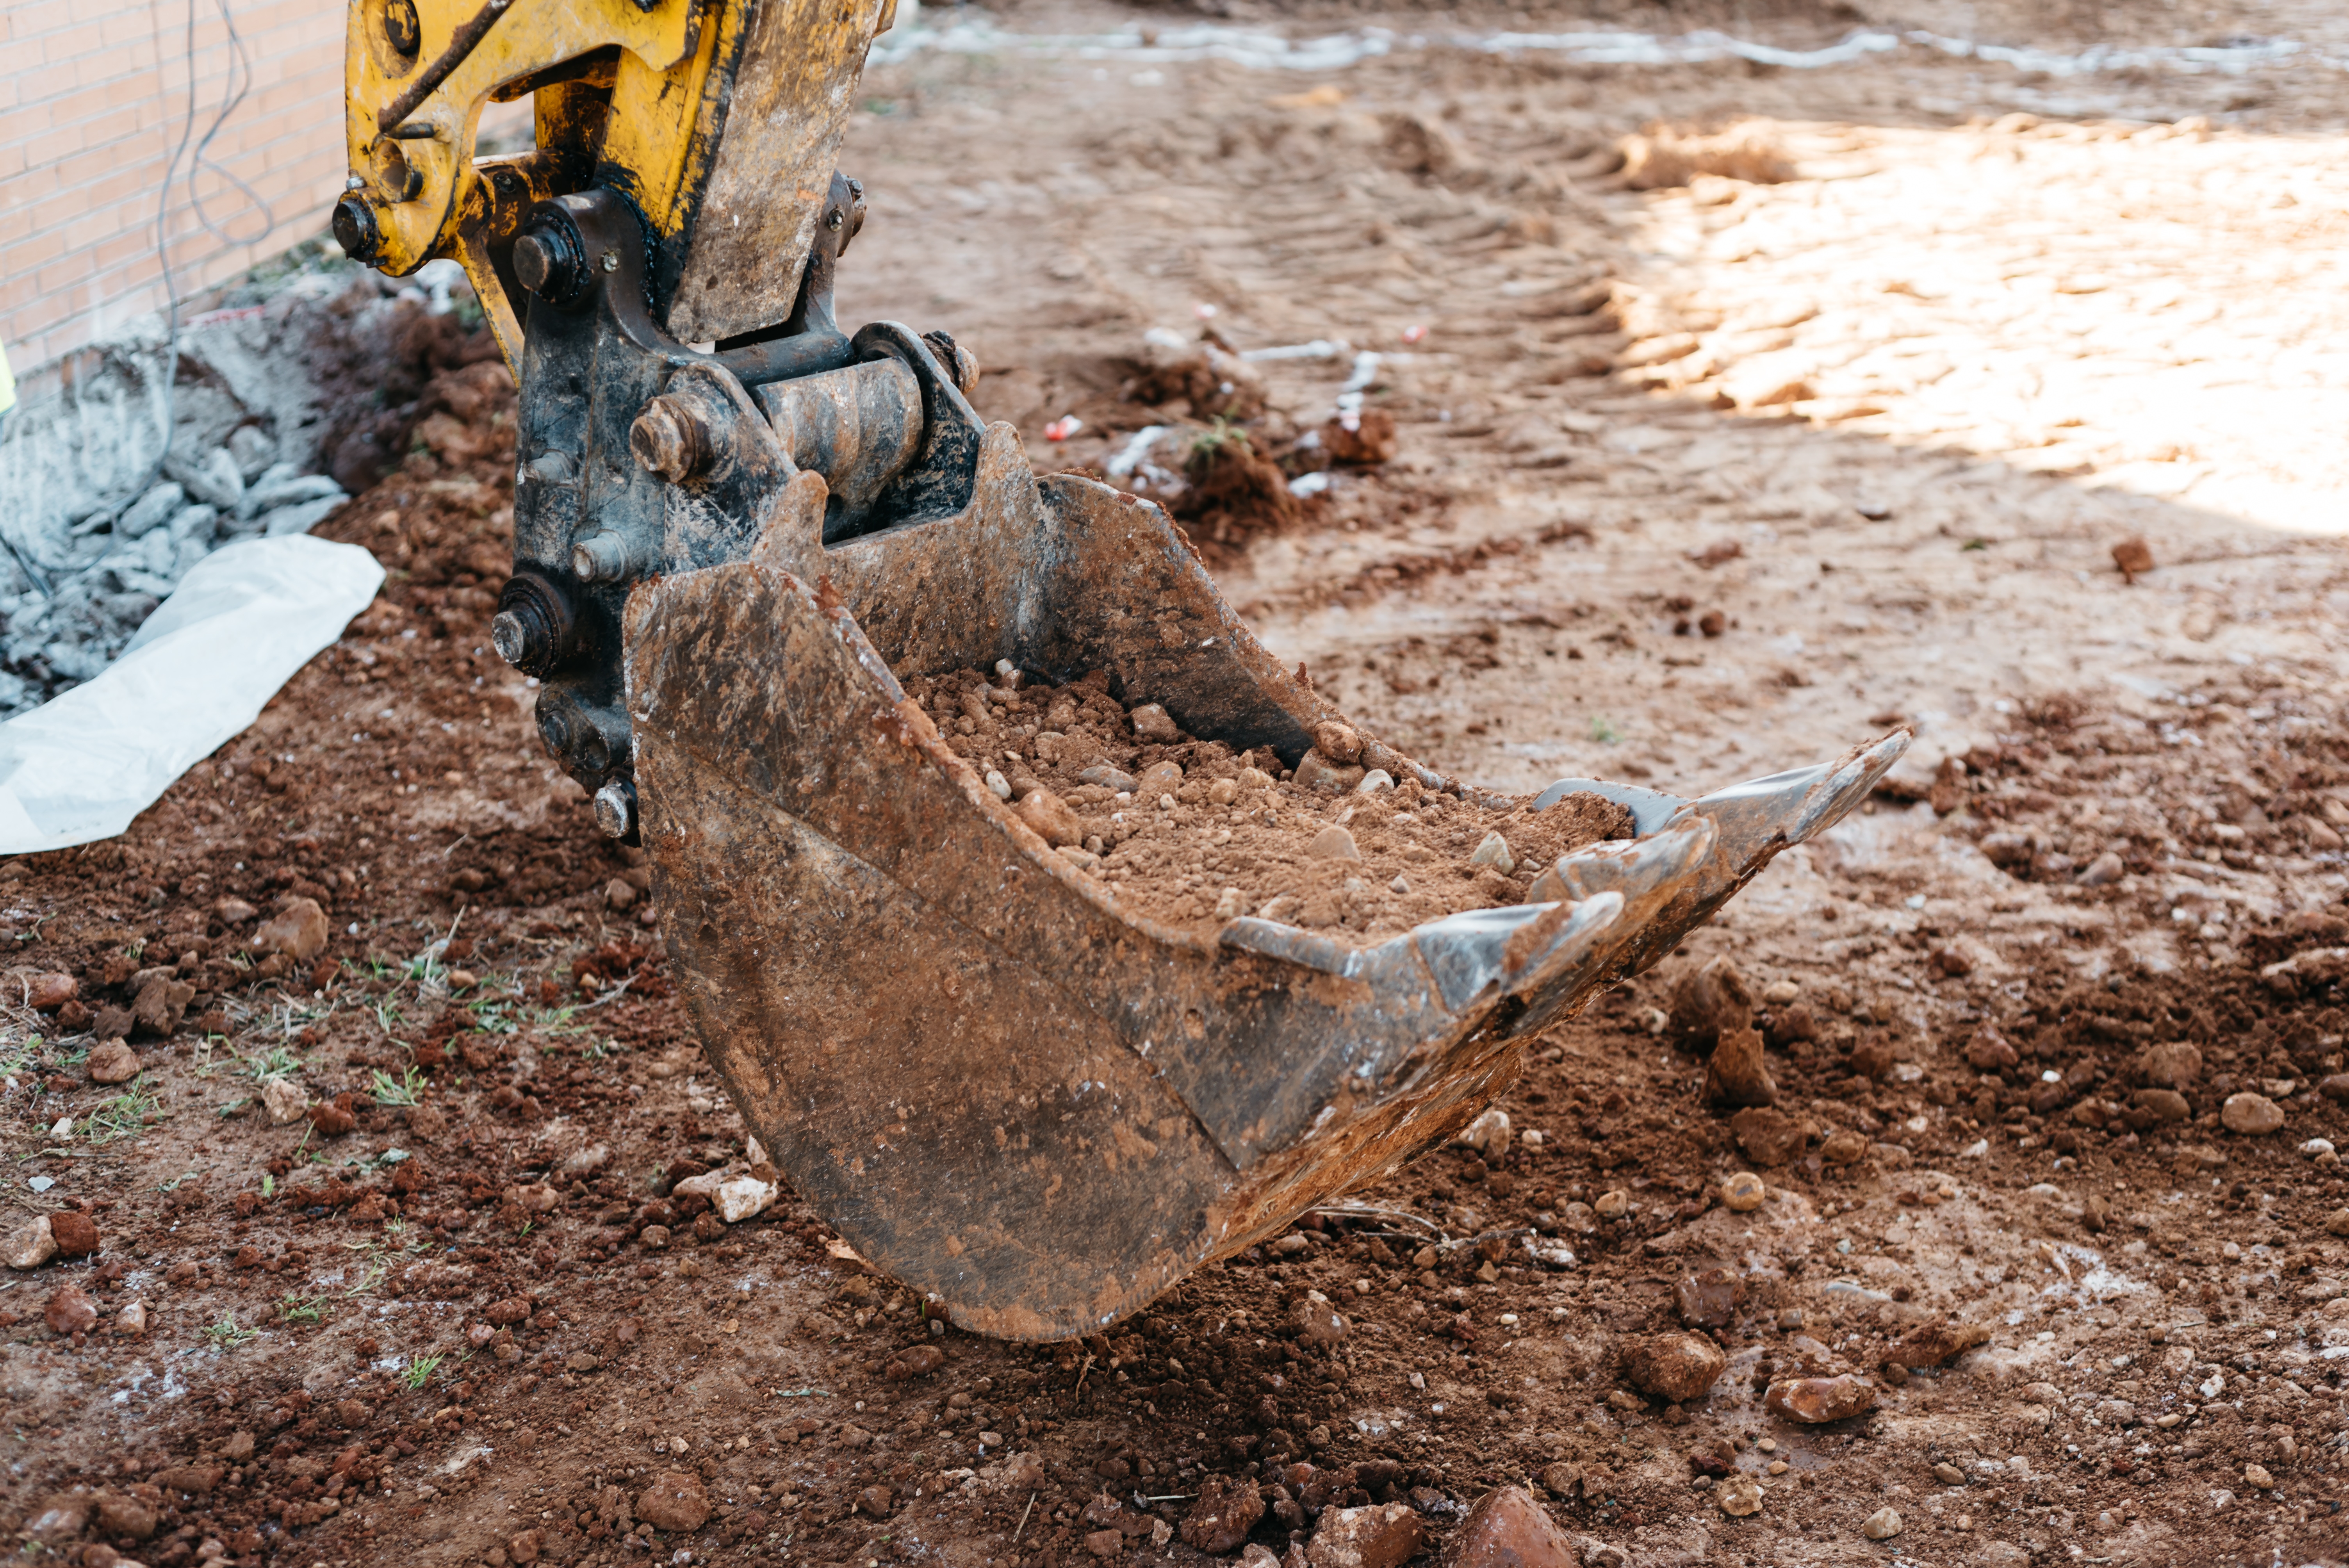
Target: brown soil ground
[(1993, 322)]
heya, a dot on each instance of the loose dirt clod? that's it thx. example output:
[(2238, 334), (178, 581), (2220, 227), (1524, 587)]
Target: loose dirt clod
[(1678, 1367), (1814, 1401)]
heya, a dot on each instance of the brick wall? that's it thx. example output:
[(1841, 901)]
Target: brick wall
[(93, 96)]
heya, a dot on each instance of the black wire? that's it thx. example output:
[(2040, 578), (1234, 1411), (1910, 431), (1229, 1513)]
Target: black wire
[(239, 84)]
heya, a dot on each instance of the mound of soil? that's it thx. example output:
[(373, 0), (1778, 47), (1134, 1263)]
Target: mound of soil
[(1188, 831)]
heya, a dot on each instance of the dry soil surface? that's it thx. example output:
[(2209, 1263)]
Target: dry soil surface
[(1737, 411)]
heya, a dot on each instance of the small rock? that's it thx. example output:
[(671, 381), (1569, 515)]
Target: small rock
[(1051, 818), (58, 1520), (1317, 1322), (1678, 1367), (2257, 1476), (1315, 771), (1739, 1496), (2337, 1222), (1948, 1474), (1814, 1401), (1988, 1052), (1383, 1535), (1494, 851), (127, 1516), (44, 993), (1871, 1059), (873, 1502), (2134, 557), (1711, 1002), (1881, 1526), (1114, 779), (2251, 1115), (1377, 781), (1337, 742), (1936, 1344), (331, 1119), (1334, 843), (1151, 723), (1709, 1300), (163, 1000), (1845, 1148), (70, 1311), (1770, 1137), (1782, 992), (2173, 1064), (1737, 1075), (32, 1244), (914, 1361), (299, 930), (674, 1501), (2316, 1149), (1222, 1515), (1508, 1529), (76, 1233), (619, 892), (112, 1061), (1793, 1025), (283, 1100), (2102, 871), (233, 910), (1743, 1191), (131, 1321), (1105, 1543), (2160, 1107), (1488, 1135), (2335, 1088), (1612, 1205)]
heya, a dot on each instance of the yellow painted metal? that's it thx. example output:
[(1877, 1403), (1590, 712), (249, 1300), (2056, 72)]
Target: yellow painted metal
[(423, 184)]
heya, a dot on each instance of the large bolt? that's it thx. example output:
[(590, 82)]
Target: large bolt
[(532, 628), (600, 557), (669, 440), (616, 808), (357, 231), (546, 260), (401, 28)]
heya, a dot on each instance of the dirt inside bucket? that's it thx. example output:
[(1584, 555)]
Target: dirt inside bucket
[(1190, 832)]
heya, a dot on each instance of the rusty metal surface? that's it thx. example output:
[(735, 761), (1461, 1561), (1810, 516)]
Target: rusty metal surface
[(1005, 1090)]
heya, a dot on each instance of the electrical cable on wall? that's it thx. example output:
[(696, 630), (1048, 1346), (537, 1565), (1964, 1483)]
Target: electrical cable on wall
[(239, 83)]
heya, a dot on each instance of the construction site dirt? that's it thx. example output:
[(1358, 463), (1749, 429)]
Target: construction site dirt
[(1724, 414)]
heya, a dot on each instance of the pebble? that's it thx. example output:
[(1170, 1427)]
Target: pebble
[(1739, 1496), (34, 1243), (1743, 1191), (2316, 1149), (2173, 1064), (1508, 1529), (1317, 1322), (1116, 781), (1781, 994), (620, 894), (675, 1500), (2337, 1222), (2257, 1476), (1948, 1474), (1334, 843), (2251, 1115), (299, 930), (2102, 871), (1881, 1526), (1769, 1137), (1737, 1074), (1151, 723), (997, 785), (45, 993), (76, 1233), (1678, 1367), (1383, 1535), (1377, 781), (283, 1100), (1337, 741), (70, 1311), (1613, 1205), (1051, 818), (2134, 557), (112, 1061), (1814, 1401), (1494, 851), (1712, 1003), (131, 1321), (1936, 1344), (1222, 1515), (1488, 1134), (1709, 1300)]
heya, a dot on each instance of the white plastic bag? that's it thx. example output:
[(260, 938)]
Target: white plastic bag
[(81, 766)]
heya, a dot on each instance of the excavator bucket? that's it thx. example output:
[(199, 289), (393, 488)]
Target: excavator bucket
[(1036, 1108), (736, 524)]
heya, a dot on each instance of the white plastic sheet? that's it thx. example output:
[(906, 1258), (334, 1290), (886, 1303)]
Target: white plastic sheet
[(81, 766)]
